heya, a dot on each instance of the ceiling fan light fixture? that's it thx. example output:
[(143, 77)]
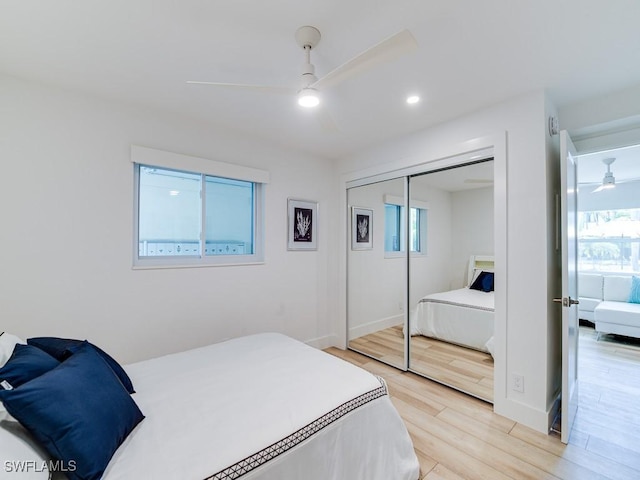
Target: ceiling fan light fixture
[(609, 181), (308, 98)]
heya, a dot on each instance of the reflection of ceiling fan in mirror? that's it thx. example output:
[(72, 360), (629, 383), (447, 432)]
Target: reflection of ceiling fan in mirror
[(479, 180), (609, 181), (309, 88)]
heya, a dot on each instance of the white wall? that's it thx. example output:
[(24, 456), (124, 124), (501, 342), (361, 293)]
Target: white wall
[(523, 338), (472, 230), (66, 244), (431, 271)]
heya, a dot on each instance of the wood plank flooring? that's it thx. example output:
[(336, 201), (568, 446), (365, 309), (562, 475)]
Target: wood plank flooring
[(457, 436), (466, 369), (608, 419), (386, 345)]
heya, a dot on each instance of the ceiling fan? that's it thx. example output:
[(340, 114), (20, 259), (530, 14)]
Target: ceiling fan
[(308, 90), (608, 181)]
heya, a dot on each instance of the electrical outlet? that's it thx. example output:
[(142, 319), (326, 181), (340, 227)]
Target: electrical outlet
[(517, 383)]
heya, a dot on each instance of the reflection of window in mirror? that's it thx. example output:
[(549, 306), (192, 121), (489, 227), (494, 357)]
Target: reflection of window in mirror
[(394, 227)]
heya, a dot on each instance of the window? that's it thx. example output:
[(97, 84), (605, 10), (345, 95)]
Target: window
[(609, 241), (192, 218), (394, 230)]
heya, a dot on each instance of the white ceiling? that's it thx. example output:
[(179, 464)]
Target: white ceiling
[(471, 54)]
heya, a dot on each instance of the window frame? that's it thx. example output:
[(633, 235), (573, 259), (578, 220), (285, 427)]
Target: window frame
[(142, 156), (404, 221)]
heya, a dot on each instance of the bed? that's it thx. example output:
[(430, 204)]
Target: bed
[(462, 316), (258, 407)]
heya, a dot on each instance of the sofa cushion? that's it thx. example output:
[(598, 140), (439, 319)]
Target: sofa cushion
[(590, 285), (621, 313), (617, 288), (588, 304)]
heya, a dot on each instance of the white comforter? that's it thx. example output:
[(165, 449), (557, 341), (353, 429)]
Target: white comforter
[(208, 408), (463, 316)]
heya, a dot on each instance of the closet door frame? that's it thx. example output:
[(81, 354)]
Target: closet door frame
[(437, 157)]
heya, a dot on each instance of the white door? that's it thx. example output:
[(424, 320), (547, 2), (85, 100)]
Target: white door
[(568, 206)]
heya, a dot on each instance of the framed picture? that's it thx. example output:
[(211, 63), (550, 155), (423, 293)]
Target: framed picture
[(361, 228), (302, 225)]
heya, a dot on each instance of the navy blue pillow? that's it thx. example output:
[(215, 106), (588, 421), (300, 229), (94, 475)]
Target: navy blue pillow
[(63, 348), (79, 411), (484, 282), (25, 364)]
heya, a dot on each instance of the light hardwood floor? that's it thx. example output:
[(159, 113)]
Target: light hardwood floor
[(457, 436), (468, 370), (608, 419)]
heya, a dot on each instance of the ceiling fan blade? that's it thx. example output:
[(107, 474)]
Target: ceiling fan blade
[(325, 120), (257, 88), (627, 180), (394, 46), (478, 180)]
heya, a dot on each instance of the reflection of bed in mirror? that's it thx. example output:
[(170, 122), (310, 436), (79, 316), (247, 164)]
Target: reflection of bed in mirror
[(463, 316)]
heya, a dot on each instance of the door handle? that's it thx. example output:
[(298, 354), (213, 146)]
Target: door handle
[(566, 301)]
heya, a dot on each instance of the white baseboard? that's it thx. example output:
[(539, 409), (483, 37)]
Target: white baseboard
[(524, 414), (375, 326), (323, 342)]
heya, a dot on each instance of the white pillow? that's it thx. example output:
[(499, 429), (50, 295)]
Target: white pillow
[(475, 274), (7, 344)]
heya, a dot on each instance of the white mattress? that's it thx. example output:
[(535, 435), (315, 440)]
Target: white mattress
[(462, 316), (209, 408)]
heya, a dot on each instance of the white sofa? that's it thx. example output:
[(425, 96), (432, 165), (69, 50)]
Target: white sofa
[(589, 295), (604, 301)]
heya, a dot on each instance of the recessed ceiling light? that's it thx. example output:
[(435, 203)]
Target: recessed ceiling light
[(413, 99), (174, 193)]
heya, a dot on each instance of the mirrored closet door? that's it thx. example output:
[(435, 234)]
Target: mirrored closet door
[(420, 254), (452, 324), (377, 271)]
